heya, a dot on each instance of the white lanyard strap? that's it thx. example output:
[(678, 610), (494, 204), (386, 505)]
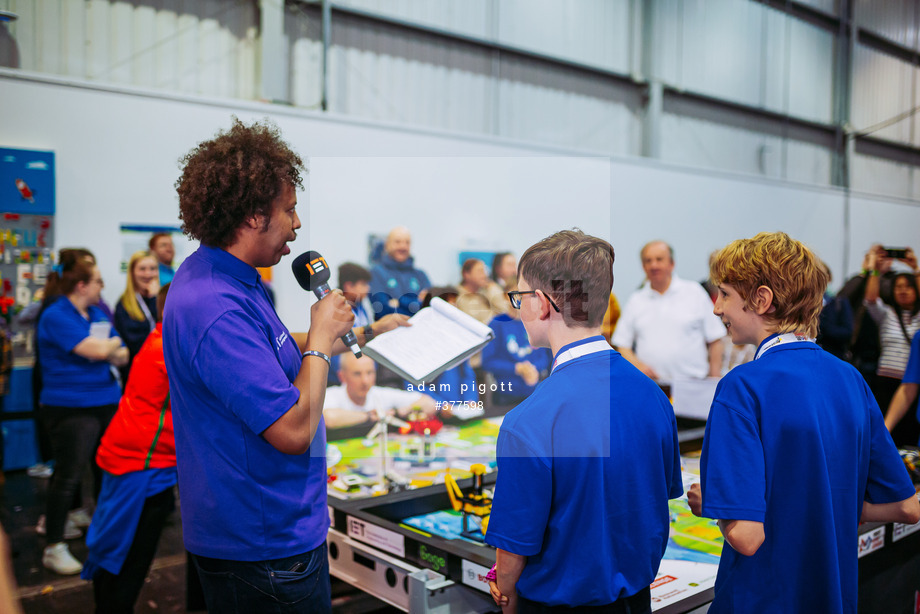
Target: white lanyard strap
[(784, 338), (582, 350), (143, 305)]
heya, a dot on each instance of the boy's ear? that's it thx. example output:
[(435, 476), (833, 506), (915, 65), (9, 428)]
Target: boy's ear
[(545, 307), (762, 300)]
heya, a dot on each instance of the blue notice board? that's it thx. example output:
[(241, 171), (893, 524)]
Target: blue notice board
[(26, 181)]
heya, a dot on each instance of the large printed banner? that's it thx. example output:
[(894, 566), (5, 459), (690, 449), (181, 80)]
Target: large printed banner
[(26, 181)]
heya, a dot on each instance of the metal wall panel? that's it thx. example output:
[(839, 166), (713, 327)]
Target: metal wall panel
[(697, 142), (831, 7), (877, 176), (712, 47), (471, 17), (195, 46), (560, 107), (806, 163), (896, 20), (304, 32), (883, 88), (383, 73), (594, 32), (747, 53), (809, 80), (380, 73)]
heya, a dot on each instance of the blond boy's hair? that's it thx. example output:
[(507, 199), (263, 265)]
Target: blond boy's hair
[(787, 267)]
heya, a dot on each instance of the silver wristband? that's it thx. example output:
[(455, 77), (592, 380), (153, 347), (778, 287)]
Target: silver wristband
[(320, 354)]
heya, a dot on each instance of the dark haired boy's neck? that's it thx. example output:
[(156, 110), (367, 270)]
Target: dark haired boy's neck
[(562, 335)]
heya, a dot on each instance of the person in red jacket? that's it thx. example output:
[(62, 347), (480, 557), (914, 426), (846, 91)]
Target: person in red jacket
[(138, 457)]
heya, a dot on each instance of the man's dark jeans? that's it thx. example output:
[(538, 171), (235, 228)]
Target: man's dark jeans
[(269, 587)]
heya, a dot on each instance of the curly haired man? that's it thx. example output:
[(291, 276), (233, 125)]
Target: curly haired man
[(247, 399)]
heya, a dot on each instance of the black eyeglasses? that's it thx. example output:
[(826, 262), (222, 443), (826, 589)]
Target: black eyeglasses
[(515, 297)]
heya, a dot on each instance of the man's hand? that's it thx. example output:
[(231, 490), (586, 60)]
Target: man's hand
[(390, 322), (695, 499), (528, 372), (331, 317)]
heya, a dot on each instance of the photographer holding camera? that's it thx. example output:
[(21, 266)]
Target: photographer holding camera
[(898, 321)]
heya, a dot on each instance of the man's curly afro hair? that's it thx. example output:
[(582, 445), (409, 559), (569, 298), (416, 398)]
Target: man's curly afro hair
[(232, 177)]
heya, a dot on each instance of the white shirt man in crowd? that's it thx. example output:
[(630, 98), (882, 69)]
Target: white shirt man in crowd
[(360, 400), (667, 329)]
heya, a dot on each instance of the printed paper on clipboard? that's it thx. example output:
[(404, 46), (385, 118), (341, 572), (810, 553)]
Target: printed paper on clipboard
[(440, 338)]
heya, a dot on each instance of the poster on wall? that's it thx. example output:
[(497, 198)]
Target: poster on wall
[(136, 238), (27, 202), (26, 181)]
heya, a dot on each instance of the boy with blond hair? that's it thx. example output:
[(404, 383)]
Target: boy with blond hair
[(591, 454), (796, 453)]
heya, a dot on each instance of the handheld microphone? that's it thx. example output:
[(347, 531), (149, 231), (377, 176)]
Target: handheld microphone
[(312, 274)]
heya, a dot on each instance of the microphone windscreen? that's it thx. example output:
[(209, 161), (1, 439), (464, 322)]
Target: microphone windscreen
[(311, 270)]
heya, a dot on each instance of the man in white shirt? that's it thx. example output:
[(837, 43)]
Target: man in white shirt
[(359, 400), (667, 329)]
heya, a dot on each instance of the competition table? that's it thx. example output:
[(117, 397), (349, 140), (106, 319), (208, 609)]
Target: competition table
[(379, 544), (372, 547)]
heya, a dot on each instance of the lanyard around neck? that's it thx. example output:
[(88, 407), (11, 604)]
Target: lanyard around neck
[(584, 349), (143, 305), (783, 338)]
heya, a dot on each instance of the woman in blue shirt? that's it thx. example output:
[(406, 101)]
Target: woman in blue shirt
[(80, 392)]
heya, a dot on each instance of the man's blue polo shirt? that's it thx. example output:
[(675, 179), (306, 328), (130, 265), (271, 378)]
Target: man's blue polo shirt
[(586, 466), (166, 273), (71, 380), (231, 364), (795, 440)]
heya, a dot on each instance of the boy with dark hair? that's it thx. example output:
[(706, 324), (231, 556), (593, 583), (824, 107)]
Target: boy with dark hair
[(354, 281), (593, 451), (795, 453)]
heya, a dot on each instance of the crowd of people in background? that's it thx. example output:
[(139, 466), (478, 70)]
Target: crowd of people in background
[(91, 361)]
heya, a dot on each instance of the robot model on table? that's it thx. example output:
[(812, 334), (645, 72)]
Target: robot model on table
[(477, 502)]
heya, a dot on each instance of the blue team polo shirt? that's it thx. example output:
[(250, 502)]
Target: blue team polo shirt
[(71, 380), (912, 372), (586, 466), (795, 440), (231, 364)]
